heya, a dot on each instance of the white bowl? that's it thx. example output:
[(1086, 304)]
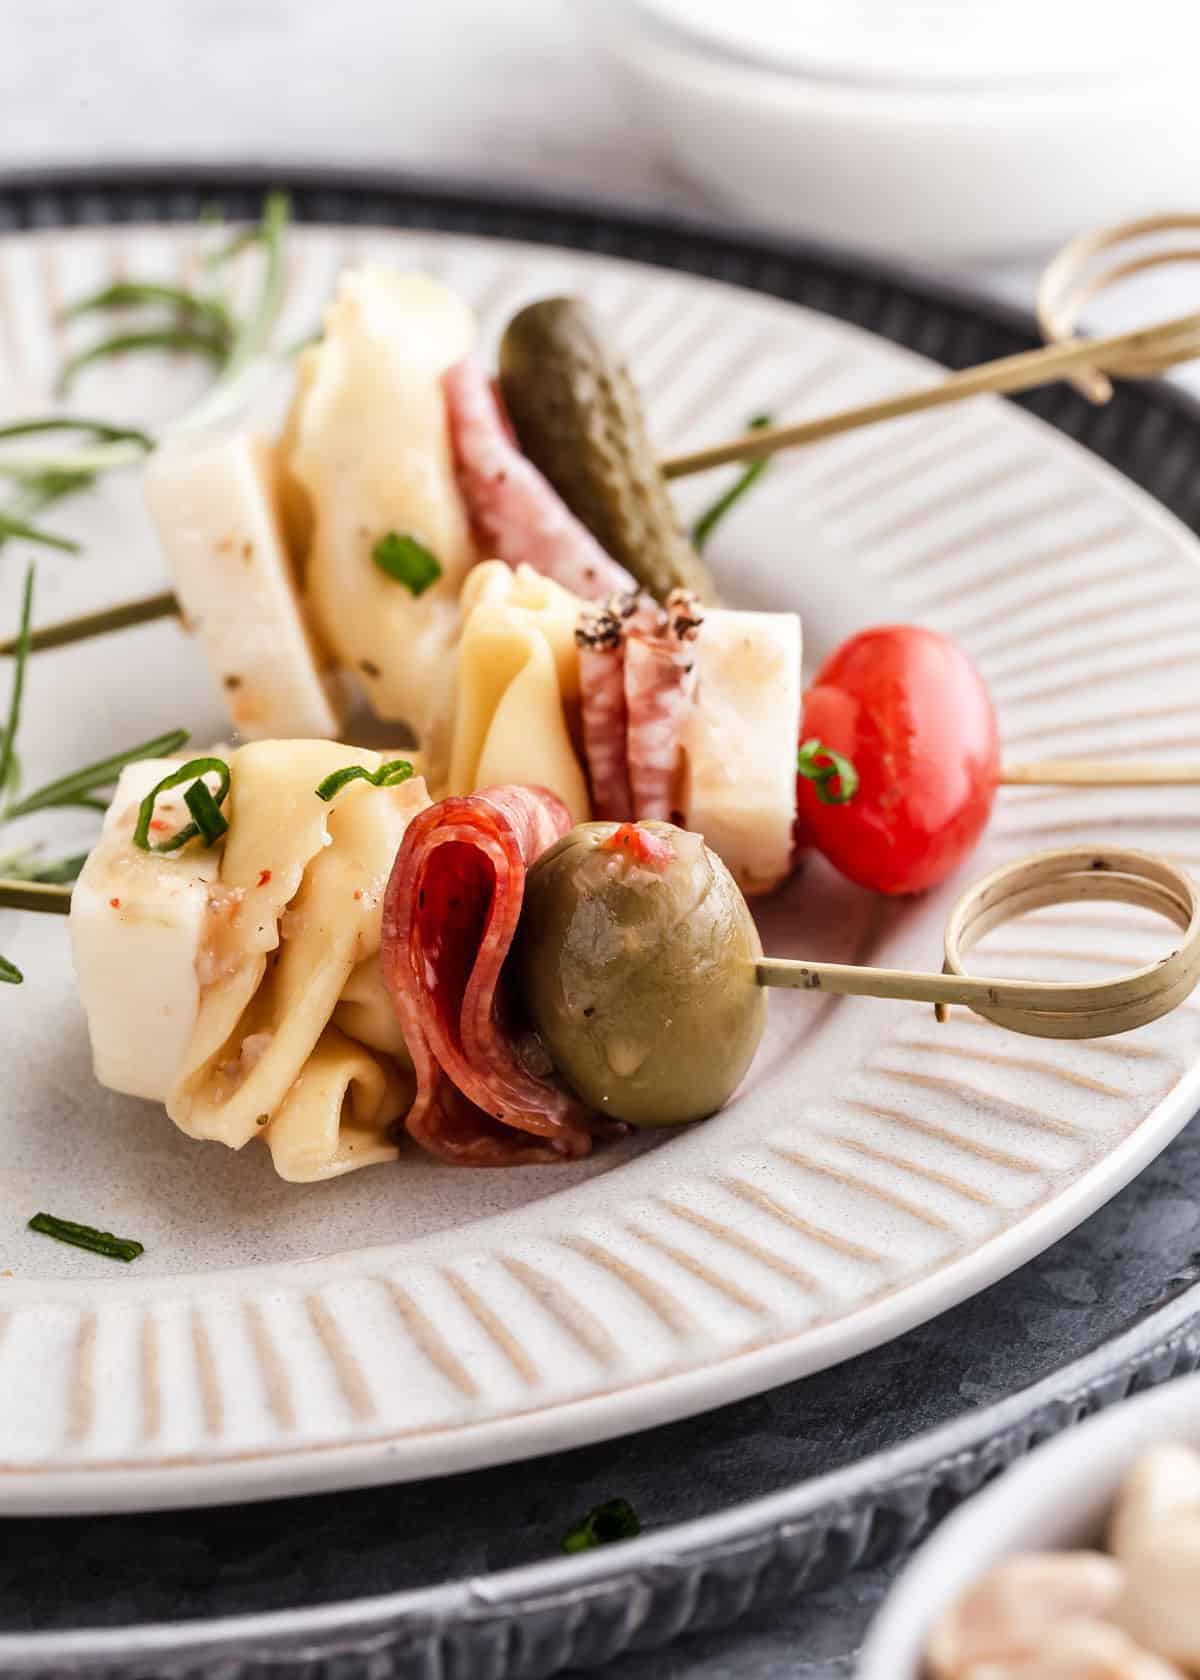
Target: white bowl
[(915, 167), (1059, 1496)]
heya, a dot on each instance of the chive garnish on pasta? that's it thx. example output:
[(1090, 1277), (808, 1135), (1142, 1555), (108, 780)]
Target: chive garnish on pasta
[(207, 821), (87, 1236), (391, 774), (407, 561), (615, 1520)]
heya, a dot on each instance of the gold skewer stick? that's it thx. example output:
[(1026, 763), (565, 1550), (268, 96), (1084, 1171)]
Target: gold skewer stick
[(34, 895), (1045, 1009), (69, 630), (1169, 342), (1090, 772)]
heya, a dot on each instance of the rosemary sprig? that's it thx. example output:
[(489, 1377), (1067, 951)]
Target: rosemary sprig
[(135, 294), (202, 342), (75, 788), (8, 745), (27, 865), (10, 974), (13, 527), (232, 386), (101, 430)]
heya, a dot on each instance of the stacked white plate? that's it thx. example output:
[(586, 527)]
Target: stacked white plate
[(932, 129)]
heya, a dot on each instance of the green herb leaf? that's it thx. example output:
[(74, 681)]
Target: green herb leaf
[(205, 812), (189, 772), (391, 774), (101, 430), (13, 527), (74, 788), (8, 744), (822, 767), (10, 974), (406, 560), (86, 1236), (230, 390), (136, 294), (616, 1519), (712, 517), (200, 341)]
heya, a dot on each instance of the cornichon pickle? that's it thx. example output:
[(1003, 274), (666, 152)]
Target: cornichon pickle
[(578, 418), (640, 978)]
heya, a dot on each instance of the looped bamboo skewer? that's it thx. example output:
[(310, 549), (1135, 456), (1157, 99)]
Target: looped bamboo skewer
[(1067, 286), (1040, 1008)]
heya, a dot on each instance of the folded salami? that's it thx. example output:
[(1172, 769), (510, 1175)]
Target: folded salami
[(450, 914)]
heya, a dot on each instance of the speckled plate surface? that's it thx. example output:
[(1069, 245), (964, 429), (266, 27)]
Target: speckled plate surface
[(410, 1321)]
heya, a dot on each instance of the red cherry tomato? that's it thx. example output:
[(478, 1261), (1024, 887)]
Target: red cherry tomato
[(914, 716)]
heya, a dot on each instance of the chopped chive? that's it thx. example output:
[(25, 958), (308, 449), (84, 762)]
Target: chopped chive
[(135, 294), (10, 974), (205, 812), (407, 560), (13, 527), (192, 771), (74, 788), (8, 746), (616, 1519), (391, 774), (86, 1236), (156, 338), (823, 775), (707, 522)]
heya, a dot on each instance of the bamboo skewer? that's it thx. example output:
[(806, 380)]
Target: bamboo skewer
[(1063, 292), (1042, 1008), (1167, 343)]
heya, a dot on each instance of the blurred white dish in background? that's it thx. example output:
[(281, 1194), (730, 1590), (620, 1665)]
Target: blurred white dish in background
[(1061, 1496), (950, 130)]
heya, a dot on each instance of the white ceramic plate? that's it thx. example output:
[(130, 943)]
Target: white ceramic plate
[(1059, 1498), (414, 1320)]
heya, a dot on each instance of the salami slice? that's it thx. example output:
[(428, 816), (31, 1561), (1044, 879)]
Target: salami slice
[(449, 917), (637, 686), (517, 515)]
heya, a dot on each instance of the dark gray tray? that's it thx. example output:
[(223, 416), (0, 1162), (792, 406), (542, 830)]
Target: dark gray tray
[(459, 1579)]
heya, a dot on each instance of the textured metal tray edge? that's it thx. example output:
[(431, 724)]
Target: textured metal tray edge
[(533, 1622)]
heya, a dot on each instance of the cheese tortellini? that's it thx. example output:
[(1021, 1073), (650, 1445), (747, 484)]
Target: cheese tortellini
[(241, 987), (367, 443), (517, 713)]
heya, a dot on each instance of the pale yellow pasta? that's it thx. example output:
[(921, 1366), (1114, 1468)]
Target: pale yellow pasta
[(518, 687), (313, 875), (338, 1114), (370, 446)]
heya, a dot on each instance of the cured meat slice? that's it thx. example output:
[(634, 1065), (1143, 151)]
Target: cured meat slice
[(449, 917), (517, 515), (637, 686)]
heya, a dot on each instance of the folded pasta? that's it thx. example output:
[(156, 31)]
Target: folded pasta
[(517, 710), (367, 444), (260, 960)]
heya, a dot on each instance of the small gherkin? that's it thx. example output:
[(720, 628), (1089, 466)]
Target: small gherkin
[(578, 417)]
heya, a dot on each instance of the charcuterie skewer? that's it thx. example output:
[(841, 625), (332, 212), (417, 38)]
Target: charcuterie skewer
[(1089, 363)]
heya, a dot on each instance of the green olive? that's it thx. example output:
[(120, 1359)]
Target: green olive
[(639, 976)]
